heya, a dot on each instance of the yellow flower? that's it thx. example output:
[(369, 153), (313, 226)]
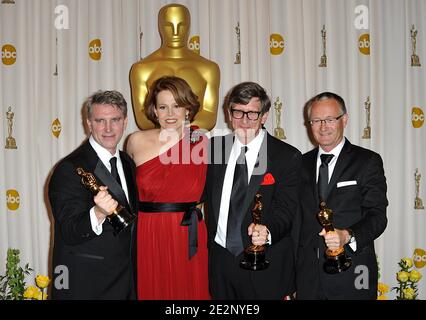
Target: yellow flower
[(402, 276), (40, 296), (42, 281), (382, 288), (382, 297), (415, 276), (31, 292), (408, 293), (408, 262)]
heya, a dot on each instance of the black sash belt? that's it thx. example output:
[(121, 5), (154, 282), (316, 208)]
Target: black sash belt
[(191, 214)]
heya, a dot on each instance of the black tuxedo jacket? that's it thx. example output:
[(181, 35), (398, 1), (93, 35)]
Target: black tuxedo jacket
[(85, 265), (282, 162), (357, 197)]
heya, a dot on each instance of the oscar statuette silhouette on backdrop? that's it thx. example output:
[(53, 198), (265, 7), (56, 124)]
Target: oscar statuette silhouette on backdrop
[(415, 60), (120, 218), (418, 202), (367, 129), (174, 58), (254, 256), (10, 141)]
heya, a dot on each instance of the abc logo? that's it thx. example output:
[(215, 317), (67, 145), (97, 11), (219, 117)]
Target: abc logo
[(12, 199), (417, 117), (276, 44), (419, 258), (95, 49), (56, 127), (364, 43), (8, 54), (194, 44)]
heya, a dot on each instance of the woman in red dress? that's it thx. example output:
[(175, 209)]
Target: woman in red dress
[(171, 171)]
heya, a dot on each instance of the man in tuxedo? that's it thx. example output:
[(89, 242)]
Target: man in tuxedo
[(245, 163), (351, 181), (89, 261)]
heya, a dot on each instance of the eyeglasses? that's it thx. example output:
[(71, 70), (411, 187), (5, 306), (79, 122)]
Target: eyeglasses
[(251, 115), (328, 121)]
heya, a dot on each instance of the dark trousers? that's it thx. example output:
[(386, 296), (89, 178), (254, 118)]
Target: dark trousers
[(227, 280)]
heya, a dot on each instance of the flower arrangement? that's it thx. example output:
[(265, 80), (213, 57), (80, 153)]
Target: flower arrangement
[(407, 279), (38, 292), (12, 284)]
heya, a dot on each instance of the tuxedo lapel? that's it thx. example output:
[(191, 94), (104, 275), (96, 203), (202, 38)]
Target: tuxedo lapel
[(128, 173), (342, 162), (253, 187), (106, 179), (256, 179), (312, 170)]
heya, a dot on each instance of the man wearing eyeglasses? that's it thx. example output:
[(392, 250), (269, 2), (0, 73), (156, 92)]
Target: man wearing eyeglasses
[(351, 181), (245, 163)]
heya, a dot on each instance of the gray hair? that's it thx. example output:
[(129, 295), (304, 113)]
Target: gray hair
[(111, 97), (325, 96)]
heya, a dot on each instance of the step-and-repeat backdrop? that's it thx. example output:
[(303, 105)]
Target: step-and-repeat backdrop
[(55, 53)]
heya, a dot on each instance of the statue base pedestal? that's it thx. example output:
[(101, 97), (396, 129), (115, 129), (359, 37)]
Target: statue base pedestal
[(279, 133), (254, 258), (10, 143), (237, 58), (323, 62), (367, 133), (418, 204), (337, 263), (415, 61)]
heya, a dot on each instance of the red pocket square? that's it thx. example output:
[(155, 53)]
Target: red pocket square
[(268, 179)]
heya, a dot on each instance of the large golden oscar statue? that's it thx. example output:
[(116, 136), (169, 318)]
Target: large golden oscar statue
[(175, 58)]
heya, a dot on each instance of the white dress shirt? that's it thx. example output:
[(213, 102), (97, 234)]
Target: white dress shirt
[(336, 152), (332, 163), (251, 158), (104, 155)]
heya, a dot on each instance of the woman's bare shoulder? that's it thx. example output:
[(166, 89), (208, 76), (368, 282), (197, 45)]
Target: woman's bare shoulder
[(143, 137), (144, 134)]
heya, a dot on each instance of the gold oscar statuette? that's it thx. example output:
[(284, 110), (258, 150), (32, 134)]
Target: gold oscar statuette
[(415, 61), (336, 261), (120, 218), (278, 131), (418, 202), (254, 256), (10, 141), (174, 58), (323, 62), (367, 129), (238, 54)]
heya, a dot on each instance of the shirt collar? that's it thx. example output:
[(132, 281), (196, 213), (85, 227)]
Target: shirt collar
[(103, 153), (335, 151), (253, 145)]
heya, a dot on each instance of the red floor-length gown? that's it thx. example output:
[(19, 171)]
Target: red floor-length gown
[(164, 269)]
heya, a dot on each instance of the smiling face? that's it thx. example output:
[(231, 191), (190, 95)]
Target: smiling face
[(170, 115), (107, 124), (328, 136), (245, 129)]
